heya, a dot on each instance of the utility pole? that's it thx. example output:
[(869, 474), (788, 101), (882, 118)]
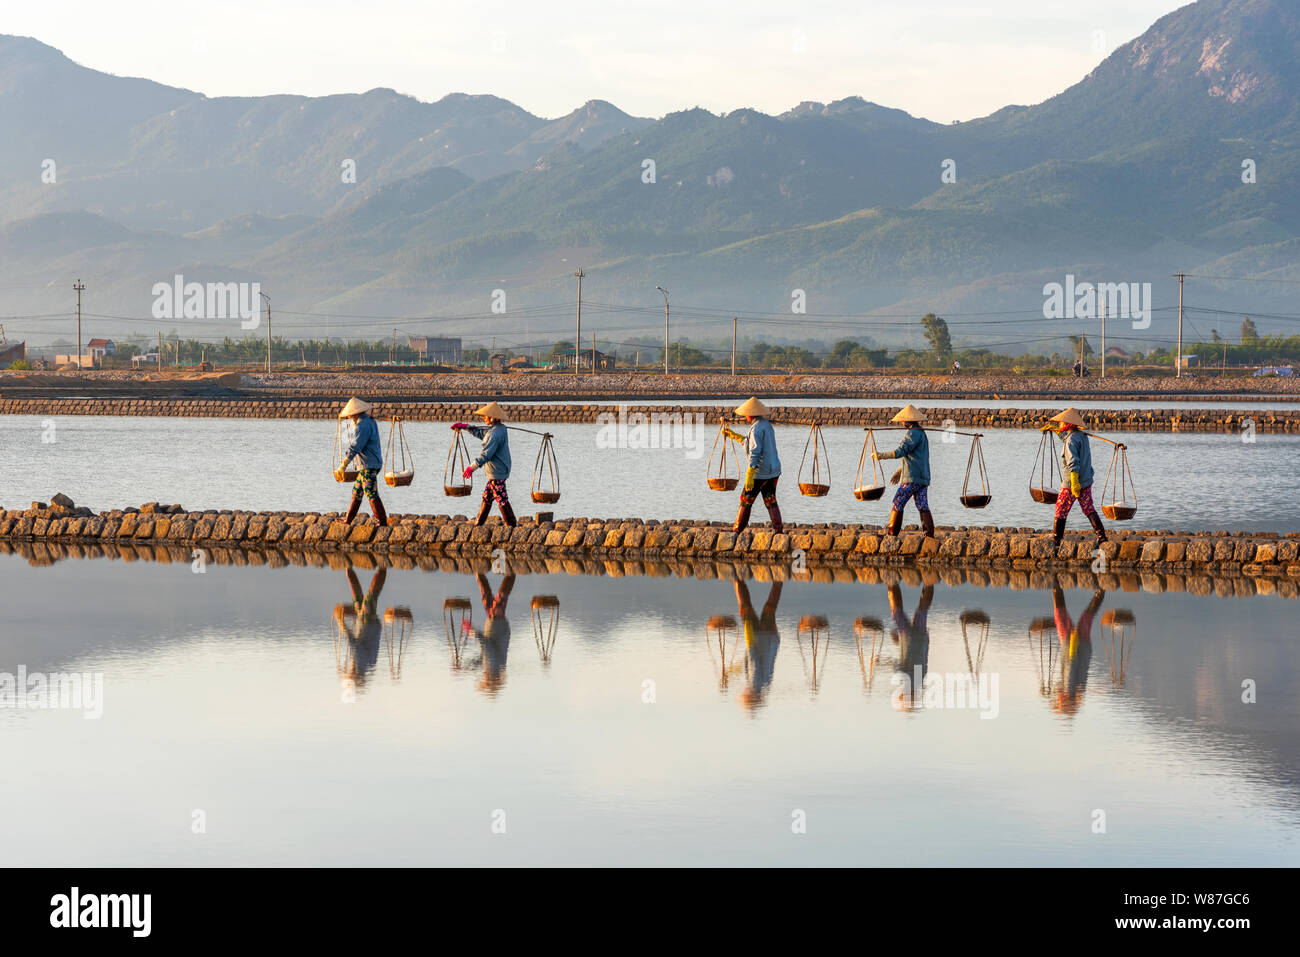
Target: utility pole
[(733, 346), (392, 353), (577, 337), (665, 292), (1103, 338), (593, 353), (268, 329), (79, 286), (159, 351), (1179, 372)]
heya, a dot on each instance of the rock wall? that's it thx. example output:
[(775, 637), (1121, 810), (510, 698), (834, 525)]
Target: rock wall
[(1000, 555)]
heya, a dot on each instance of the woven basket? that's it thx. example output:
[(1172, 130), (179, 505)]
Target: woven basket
[(813, 489), (976, 501), (869, 493), (1119, 513), (1044, 496)]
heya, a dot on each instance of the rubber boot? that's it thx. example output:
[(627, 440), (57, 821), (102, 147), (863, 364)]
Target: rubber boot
[(895, 522), (774, 513), (483, 511), (1058, 531), (742, 519), (927, 523), (381, 516), (508, 514), (1098, 527), (352, 511)]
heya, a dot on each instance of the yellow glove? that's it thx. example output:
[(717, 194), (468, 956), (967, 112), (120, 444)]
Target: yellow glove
[(735, 436), (1047, 428), (749, 480), (1075, 487)]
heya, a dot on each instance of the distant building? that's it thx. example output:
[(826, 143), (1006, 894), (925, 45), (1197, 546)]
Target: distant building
[(87, 360), (11, 352), (99, 348), (604, 361), (1115, 352), (442, 350)]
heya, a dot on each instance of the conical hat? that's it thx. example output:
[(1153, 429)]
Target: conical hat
[(492, 411), (354, 406), (753, 407), (1069, 417), (909, 413)]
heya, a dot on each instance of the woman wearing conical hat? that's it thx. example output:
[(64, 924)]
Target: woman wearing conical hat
[(1076, 472), (764, 465), (914, 476), (494, 460), (365, 444)]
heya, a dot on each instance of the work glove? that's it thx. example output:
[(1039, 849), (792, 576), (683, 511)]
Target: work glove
[(896, 477), (749, 480), (1075, 487), (735, 436), (1047, 428), (469, 470), (460, 425), (882, 455)]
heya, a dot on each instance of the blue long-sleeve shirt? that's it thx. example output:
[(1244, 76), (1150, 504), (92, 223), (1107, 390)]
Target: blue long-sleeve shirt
[(366, 444), (915, 455), (760, 443), (1076, 456), (494, 460)]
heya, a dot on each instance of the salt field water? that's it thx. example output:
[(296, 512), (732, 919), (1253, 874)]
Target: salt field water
[(1185, 481), (635, 721)]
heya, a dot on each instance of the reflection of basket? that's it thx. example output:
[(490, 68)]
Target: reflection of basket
[(398, 614), (1119, 513), (400, 478), (813, 489), (457, 491), (976, 501), (1044, 496), (869, 494), (546, 498), (545, 601), (723, 484), (1118, 616)]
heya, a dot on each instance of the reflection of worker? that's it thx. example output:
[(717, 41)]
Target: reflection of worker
[(762, 640), (494, 639), (1076, 650), (364, 629), (913, 639)]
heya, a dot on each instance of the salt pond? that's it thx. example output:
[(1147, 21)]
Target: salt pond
[(629, 721), (1185, 481)]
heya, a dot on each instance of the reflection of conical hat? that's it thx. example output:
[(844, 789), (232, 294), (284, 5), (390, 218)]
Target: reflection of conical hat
[(1069, 417), (753, 407), (354, 407), (492, 411), (909, 413)]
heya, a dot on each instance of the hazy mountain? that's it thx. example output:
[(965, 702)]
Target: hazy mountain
[(1133, 173)]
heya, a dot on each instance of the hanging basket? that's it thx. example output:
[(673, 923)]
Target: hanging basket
[(1119, 496), (1045, 477), (401, 466), (724, 475), (343, 471), (818, 480), (454, 484), (546, 474), (869, 488), (980, 497)]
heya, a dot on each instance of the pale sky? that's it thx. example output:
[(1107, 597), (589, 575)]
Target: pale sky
[(941, 59)]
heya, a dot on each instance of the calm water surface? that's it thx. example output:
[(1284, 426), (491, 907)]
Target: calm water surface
[(637, 720), (1184, 481)]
